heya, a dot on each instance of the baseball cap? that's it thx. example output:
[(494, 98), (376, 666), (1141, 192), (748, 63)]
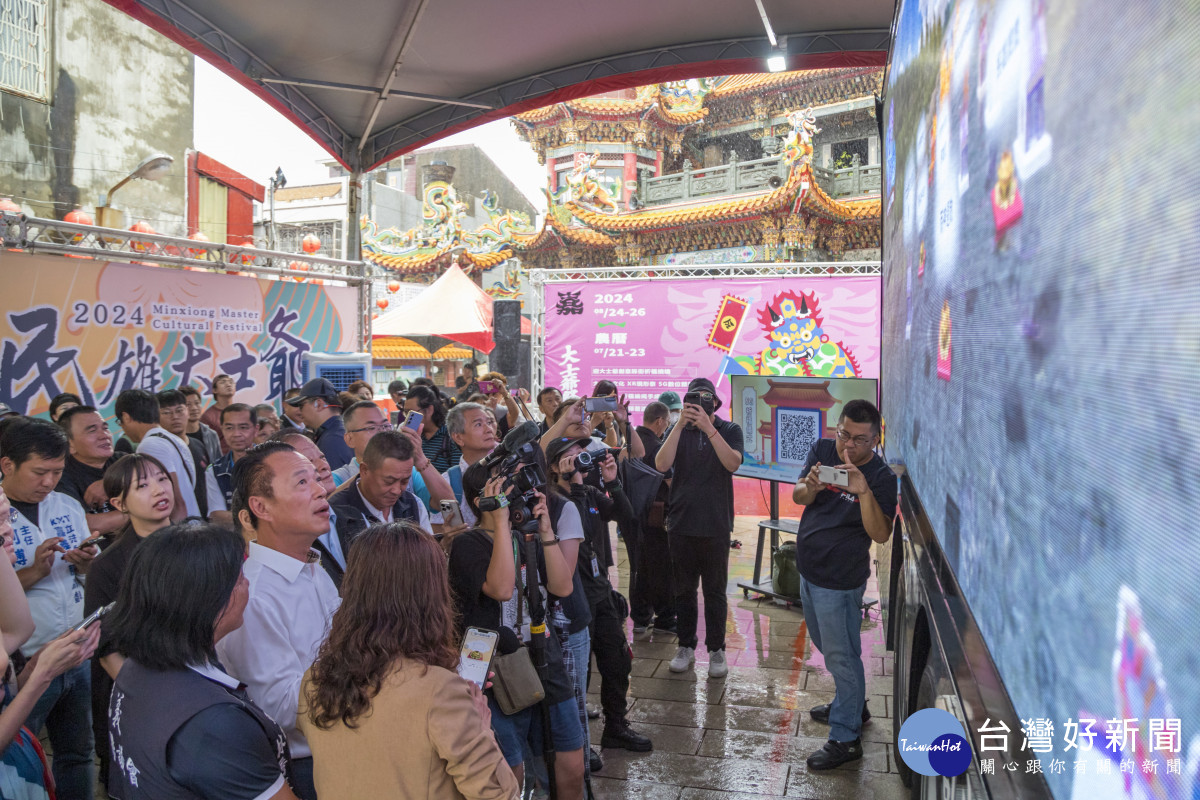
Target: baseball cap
[(559, 446), (670, 400), (705, 385), (316, 388), (7, 411)]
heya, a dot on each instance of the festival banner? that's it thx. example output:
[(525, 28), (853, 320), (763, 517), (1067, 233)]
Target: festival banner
[(96, 328), (654, 335)]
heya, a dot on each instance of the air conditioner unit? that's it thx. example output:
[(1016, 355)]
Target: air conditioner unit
[(340, 369)]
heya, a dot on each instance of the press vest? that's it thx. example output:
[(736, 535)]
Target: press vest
[(56, 601), (147, 708)]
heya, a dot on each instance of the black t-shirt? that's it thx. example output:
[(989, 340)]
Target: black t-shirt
[(701, 487), (29, 510), (470, 555), (78, 476), (104, 578), (123, 446), (652, 444), (596, 510), (833, 549)]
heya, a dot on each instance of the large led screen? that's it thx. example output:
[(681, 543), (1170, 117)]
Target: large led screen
[(1040, 372)]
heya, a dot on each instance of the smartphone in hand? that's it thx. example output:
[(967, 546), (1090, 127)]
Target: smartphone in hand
[(413, 421), (594, 405), (93, 618), (451, 514), (475, 656)]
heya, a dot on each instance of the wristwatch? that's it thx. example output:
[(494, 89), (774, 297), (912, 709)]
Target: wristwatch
[(548, 542)]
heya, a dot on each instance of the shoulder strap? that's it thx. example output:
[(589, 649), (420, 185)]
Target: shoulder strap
[(454, 475), (520, 588), (185, 459)]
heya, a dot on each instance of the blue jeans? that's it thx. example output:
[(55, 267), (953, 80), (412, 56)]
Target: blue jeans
[(834, 621), (66, 710)]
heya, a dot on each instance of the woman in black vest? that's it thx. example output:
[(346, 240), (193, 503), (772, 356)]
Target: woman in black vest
[(140, 487), (180, 727)]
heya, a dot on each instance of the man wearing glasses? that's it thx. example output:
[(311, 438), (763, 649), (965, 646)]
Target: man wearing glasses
[(833, 551), (703, 452)]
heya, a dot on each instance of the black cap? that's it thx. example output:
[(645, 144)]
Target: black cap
[(316, 388), (705, 385), (561, 445)]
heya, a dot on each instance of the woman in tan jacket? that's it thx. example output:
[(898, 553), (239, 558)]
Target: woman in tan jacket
[(383, 708)]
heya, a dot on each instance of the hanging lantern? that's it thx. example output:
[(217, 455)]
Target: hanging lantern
[(393, 286), (198, 236), (310, 243), (79, 217), (299, 266), (382, 303), (143, 227)]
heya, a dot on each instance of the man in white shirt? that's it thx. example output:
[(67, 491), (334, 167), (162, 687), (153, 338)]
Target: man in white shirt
[(292, 599), (53, 550), (365, 419), (328, 544), (239, 424), (138, 413), (381, 491)]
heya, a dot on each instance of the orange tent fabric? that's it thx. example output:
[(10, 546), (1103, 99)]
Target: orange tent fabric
[(453, 307)]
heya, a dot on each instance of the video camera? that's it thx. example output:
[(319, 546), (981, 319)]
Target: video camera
[(523, 477)]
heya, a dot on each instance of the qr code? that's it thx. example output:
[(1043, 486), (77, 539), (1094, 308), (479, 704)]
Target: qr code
[(798, 432)]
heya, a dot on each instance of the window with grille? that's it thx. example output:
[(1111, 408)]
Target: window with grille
[(290, 236), (25, 47)]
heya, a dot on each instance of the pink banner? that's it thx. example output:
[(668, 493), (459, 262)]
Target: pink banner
[(654, 335)]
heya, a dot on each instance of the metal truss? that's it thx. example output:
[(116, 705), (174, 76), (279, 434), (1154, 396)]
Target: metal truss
[(37, 235), (538, 278), (408, 133)]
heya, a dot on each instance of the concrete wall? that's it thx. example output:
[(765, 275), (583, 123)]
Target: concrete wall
[(119, 92)]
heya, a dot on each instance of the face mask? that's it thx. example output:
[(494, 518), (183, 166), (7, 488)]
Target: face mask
[(674, 416)]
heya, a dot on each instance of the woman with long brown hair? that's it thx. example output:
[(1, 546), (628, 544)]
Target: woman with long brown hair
[(383, 707)]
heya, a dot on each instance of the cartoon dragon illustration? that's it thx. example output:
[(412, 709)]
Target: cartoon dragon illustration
[(798, 345)]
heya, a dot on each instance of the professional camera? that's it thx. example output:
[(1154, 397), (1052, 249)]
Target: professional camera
[(584, 463), (514, 458)]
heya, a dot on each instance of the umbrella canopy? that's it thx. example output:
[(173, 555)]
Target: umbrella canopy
[(453, 307)]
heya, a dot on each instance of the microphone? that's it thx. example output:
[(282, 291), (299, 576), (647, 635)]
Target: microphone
[(523, 434)]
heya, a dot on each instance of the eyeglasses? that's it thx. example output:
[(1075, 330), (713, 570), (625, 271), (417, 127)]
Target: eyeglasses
[(859, 441), (377, 428)]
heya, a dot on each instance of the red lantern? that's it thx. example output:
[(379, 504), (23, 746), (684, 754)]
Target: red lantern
[(393, 286), (299, 266), (310, 243), (141, 226), (8, 205), (382, 303), (79, 217), (198, 236)]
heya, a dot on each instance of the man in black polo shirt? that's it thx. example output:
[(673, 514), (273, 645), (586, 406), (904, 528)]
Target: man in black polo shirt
[(650, 595), (704, 452), (833, 551), (91, 452), (322, 413)]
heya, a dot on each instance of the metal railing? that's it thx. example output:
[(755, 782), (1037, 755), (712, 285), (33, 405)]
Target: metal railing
[(37, 235), (758, 175)]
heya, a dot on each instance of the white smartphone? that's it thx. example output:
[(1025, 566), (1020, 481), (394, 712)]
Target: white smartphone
[(413, 420), (451, 515), (475, 656), (832, 475)]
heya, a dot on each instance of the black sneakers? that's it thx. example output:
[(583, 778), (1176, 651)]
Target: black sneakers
[(821, 713), (620, 735), (834, 754), (595, 762)]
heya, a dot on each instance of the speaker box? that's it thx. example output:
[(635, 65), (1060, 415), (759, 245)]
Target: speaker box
[(506, 330)]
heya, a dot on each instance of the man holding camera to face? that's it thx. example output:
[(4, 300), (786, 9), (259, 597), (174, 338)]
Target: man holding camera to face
[(703, 452), (849, 507)]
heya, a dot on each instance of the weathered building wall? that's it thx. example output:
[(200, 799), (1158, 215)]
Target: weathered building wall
[(119, 92)]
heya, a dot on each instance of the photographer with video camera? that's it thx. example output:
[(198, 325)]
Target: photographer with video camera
[(502, 574), (570, 462), (704, 452)]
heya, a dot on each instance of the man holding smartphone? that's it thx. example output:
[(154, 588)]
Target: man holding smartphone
[(704, 452), (53, 551), (833, 552)]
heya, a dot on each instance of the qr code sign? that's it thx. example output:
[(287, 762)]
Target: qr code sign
[(798, 431)]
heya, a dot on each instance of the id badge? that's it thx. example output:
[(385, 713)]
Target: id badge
[(595, 567)]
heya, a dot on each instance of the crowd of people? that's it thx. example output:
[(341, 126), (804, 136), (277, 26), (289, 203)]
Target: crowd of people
[(242, 601)]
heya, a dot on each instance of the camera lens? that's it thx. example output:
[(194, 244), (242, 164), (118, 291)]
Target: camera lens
[(584, 462)]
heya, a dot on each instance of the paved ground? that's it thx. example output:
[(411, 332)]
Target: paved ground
[(746, 736)]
